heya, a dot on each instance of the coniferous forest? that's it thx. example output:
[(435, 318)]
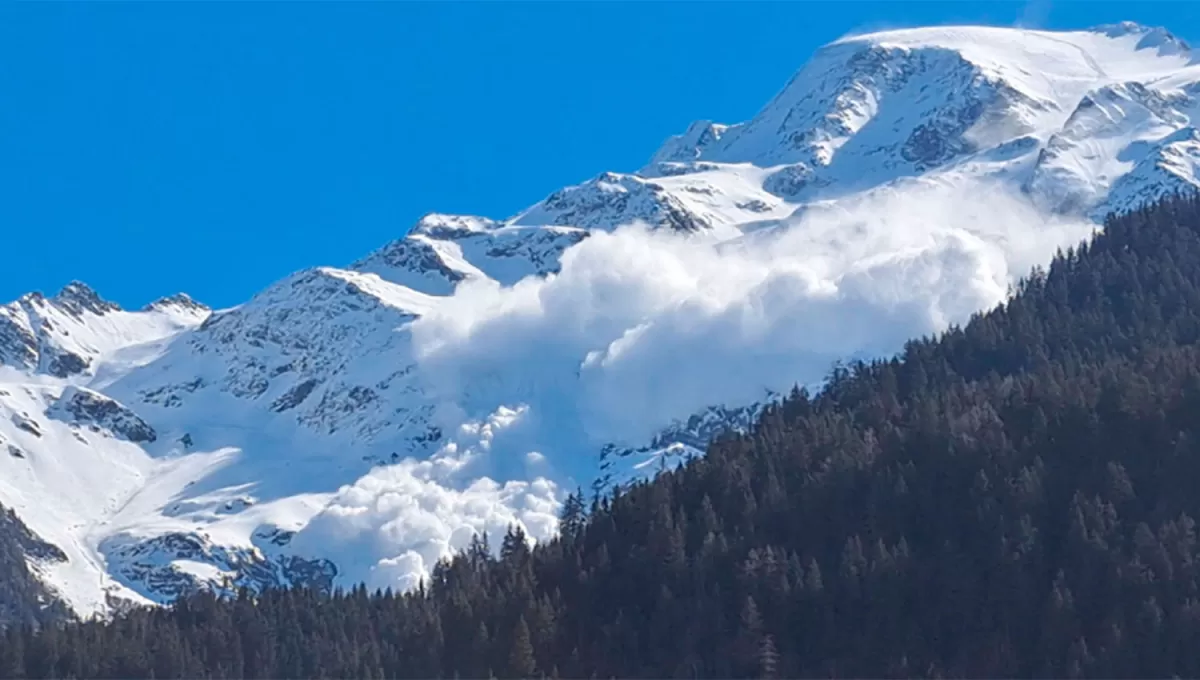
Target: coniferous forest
[(1017, 497)]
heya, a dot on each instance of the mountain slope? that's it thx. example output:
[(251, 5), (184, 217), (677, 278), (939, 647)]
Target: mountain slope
[(361, 423), (942, 102), (1014, 498), (24, 599), (65, 335)]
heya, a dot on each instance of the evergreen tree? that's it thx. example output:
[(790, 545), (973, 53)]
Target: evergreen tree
[(521, 661)]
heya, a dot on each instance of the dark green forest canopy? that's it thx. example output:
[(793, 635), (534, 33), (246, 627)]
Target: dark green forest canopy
[(1013, 498)]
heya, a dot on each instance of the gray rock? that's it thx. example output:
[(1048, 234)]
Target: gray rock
[(79, 406)]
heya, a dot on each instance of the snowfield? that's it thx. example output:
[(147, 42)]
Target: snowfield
[(360, 423)]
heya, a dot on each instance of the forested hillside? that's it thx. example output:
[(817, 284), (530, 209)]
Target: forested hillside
[(1014, 498)]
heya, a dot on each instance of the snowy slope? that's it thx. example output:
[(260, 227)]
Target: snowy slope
[(70, 457), (986, 101), (360, 423), (66, 334)]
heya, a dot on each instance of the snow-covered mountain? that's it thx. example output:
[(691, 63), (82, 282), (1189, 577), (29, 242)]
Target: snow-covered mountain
[(359, 423)]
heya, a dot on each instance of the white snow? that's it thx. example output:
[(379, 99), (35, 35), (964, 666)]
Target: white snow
[(465, 376)]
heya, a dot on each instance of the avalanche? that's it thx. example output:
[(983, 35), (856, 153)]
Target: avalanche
[(359, 424)]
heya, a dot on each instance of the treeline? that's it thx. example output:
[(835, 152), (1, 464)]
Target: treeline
[(1016, 497)]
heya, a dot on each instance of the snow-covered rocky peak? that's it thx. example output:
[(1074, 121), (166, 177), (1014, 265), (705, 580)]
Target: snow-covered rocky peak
[(64, 335), (1111, 129), (691, 144), (1168, 166), (611, 200), (306, 330), (442, 251), (78, 298), (873, 109), (443, 226), (1148, 37), (180, 304)]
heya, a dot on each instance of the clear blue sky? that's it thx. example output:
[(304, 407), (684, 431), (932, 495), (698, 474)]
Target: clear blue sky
[(214, 147)]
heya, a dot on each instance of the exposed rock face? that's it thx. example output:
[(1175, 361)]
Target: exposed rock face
[(26, 424), (32, 546), (18, 344), (689, 146), (611, 200), (675, 443), (84, 408), (179, 301), (170, 565), (23, 598), (294, 397), (78, 299), (790, 181), (63, 364)]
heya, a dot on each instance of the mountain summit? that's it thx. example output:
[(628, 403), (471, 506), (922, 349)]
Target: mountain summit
[(360, 423)]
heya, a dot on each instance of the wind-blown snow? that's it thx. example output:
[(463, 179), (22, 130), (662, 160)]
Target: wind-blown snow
[(642, 328), (394, 524), (361, 423)]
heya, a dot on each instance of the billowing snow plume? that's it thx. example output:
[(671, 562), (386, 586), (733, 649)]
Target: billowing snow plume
[(393, 525), (641, 328), (362, 423)]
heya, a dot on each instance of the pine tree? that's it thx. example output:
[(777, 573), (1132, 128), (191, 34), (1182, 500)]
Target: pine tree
[(521, 660), (748, 643), (768, 658)]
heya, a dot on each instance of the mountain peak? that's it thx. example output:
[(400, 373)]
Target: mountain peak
[(1149, 37), (690, 145), (610, 200), (443, 225), (77, 297), (181, 301)]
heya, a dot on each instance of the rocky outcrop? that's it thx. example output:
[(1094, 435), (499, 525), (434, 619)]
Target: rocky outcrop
[(165, 567), (674, 443), (179, 301), (78, 298), (612, 200), (84, 408), (23, 598), (26, 424), (18, 344), (63, 336)]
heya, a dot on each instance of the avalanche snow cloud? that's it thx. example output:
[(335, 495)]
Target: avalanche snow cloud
[(642, 328), (462, 378)]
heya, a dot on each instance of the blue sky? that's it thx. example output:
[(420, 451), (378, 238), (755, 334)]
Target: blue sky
[(215, 147)]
